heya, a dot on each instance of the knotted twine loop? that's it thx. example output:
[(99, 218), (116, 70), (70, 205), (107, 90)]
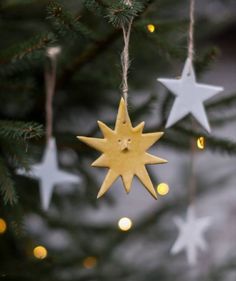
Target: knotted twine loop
[(50, 83), (125, 63)]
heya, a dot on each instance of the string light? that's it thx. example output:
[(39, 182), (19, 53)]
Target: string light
[(151, 28), (40, 252), (163, 189), (3, 226), (125, 224), (201, 143), (90, 262)]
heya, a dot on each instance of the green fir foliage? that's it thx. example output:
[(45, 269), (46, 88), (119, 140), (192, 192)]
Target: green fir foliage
[(88, 88)]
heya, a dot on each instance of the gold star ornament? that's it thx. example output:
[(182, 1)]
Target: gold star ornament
[(124, 152)]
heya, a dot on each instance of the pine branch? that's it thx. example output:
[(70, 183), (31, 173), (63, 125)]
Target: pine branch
[(99, 47), (97, 7), (27, 48), (16, 85), (222, 120), (223, 103), (7, 185), (143, 109), (26, 56), (17, 130), (65, 24), (12, 4), (15, 152), (178, 137), (213, 143), (87, 56), (203, 63), (120, 13)]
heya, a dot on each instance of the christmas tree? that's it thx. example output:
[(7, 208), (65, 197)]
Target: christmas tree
[(120, 236)]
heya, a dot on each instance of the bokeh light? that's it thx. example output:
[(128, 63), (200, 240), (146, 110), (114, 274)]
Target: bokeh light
[(201, 143), (90, 262), (163, 189), (151, 28), (40, 252), (125, 224), (3, 226)]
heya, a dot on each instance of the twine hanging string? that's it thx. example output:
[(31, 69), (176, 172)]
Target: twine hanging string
[(50, 83), (191, 31), (125, 63), (192, 179)]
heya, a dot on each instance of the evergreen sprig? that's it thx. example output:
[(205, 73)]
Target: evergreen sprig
[(19, 51), (17, 130), (81, 69), (65, 24), (7, 187), (25, 56), (96, 6), (120, 13), (13, 138)]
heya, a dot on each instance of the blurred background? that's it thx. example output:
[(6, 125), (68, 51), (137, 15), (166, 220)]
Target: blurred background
[(80, 237)]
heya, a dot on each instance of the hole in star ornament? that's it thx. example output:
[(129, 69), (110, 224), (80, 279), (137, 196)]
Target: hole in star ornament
[(124, 152)]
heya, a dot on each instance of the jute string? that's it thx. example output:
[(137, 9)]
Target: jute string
[(125, 63), (50, 83), (192, 179), (191, 31)]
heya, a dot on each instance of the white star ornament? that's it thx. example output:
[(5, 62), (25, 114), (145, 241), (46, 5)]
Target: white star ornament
[(190, 96), (49, 174), (190, 236)]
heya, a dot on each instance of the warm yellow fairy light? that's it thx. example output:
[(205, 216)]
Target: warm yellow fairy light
[(125, 224), (40, 252), (163, 189), (90, 262), (3, 226), (151, 28), (201, 143)]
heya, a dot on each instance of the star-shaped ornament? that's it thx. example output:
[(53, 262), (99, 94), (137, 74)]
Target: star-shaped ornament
[(124, 152), (191, 235), (49, 174), (190, 96)]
